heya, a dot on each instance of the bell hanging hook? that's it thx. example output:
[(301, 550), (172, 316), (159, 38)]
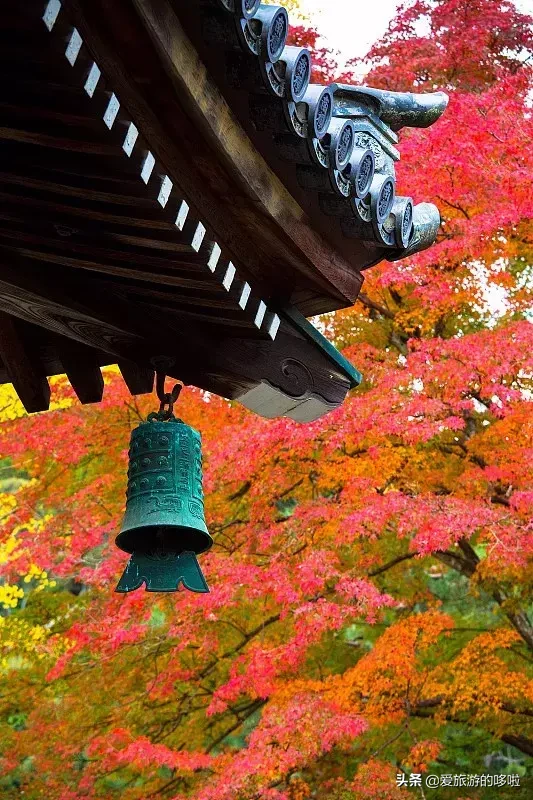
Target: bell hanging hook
[(166, 399), (162, 364)]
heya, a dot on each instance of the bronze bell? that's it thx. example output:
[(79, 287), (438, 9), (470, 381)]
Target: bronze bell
[(164, 526)]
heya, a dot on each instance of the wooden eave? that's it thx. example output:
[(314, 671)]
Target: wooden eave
[(140, 222), (195, 135), (106, 258)]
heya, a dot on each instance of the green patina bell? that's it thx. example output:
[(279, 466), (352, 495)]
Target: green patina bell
[(164, 526)]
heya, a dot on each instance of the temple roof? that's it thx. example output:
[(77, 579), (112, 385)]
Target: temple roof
[(175, 186)]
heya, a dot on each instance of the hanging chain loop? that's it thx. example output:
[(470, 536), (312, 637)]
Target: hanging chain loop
[(166, 399)]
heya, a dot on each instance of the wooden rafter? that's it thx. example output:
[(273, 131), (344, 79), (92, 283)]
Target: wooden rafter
[(22, 367)]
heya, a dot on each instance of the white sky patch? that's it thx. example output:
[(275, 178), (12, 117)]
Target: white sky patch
[(525, 281), (349, 26), (524, 376), (495, 298), (324, 324), (481, 408), (352, 26)]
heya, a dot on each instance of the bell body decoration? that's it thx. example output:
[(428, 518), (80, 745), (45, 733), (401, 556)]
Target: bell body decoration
[(164, 526)]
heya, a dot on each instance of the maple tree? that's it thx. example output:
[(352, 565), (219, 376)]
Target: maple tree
[(371, 596)]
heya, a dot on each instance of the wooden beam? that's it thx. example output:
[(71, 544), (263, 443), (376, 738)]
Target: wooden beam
[(89, 312), (213, 116), (56, 306), (82, 369), (86, 380), (126, 264), (118, 187), (22, 367), (138, 379), (35, 201), (203, 147)]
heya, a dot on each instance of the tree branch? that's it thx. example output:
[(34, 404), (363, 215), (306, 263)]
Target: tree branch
[(463, 211), (390, 564), (521, 743), (366, 301)]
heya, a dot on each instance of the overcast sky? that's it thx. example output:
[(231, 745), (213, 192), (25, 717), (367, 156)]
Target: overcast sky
[(351, 26)]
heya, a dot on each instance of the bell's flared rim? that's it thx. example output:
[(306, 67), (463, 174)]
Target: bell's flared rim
[(173, 538)]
